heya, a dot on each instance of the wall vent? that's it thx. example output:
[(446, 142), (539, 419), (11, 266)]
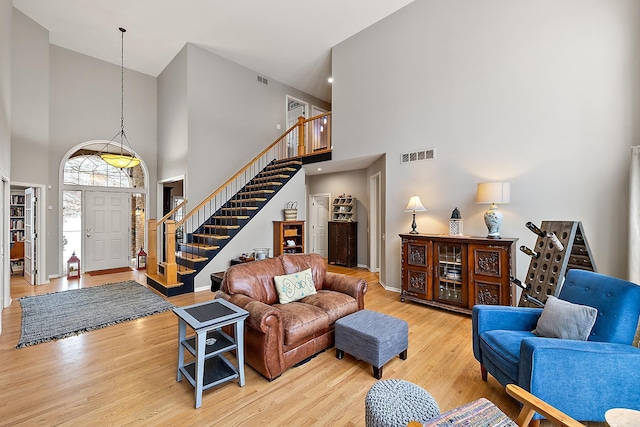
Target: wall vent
[(418, 156), (263, 80)]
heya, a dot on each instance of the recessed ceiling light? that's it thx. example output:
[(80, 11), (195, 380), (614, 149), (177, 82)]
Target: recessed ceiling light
[(319, 169), (330, 79)]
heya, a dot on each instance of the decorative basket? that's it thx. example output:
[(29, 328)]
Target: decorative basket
[(290, 214)]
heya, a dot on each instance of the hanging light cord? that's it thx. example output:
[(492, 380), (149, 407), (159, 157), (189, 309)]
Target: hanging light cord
[(122, 89)]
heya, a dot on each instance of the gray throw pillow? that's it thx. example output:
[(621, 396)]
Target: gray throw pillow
[(562, 319)]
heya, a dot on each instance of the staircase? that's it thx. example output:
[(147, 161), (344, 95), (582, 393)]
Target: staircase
[(190, 243), (208, 239)]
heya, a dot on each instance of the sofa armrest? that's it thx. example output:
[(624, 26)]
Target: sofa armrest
[(349, 285), (499, 317), (262, 317), (582, 378)]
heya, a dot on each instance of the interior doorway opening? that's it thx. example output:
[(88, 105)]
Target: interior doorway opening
[(103, 210)]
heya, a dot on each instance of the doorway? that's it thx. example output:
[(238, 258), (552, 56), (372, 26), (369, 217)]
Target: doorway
[(27, 225), (103, 210), (294, 108), (319, 205)]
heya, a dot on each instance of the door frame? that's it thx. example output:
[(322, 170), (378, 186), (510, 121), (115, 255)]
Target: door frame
[(40, 226), (159, 205), (5, 280), (375, 216), (313, 220)]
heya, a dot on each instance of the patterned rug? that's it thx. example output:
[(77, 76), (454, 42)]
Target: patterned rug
[(58, 315)]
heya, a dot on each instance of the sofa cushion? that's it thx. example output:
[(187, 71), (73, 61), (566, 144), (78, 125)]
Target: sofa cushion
[(503, 348), (335, 304), (301, 321), (293, 263), (295, 286), (562, 319), (254, 279)]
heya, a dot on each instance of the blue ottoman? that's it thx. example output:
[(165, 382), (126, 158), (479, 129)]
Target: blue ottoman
[(373, 337)]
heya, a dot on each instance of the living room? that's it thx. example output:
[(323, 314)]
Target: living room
[(541, 94)]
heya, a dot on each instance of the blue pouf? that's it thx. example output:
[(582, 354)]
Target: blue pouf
[(373, 337), (393, 403)]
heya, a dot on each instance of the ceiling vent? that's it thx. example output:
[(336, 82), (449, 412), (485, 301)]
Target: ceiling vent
[(263, 80), (418, 156)]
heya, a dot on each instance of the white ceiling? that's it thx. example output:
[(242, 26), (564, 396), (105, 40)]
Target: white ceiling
[(287, 40)]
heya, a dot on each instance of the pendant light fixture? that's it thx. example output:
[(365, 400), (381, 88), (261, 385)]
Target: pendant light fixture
[(123, 159)]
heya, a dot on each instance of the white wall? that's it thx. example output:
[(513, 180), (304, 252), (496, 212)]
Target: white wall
[(173, 135), (30, 101), (232, 118), (540, 93), (6, 35)]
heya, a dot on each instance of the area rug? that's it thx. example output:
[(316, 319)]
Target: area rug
[(58, 315)]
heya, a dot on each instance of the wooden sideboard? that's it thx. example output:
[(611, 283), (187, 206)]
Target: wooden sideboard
[(456, 272)]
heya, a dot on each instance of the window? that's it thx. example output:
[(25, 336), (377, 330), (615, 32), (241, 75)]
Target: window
[(91, 170)]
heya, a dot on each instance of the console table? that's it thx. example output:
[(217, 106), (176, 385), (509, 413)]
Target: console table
[(210, 367)]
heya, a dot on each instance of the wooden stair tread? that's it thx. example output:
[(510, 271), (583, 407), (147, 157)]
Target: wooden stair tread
[(267, 191), (225, 227), (202, 246), (252, 200), (267, 178), (159, 280), (232, 217), (190, 256), (212, 236), (249, 208), (273, 183), (183, 271)]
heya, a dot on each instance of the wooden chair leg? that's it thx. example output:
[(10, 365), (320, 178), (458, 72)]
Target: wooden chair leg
[(483, 371)]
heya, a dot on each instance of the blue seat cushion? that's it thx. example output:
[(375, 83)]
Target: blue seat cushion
[(502, 348)]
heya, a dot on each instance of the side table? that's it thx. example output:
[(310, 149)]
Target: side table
[(210, 367)]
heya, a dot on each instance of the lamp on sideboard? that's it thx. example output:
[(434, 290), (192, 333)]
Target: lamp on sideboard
[(494, 193), (414, 205)]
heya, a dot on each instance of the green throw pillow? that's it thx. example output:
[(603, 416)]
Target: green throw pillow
[(294, 287), (562, 319)]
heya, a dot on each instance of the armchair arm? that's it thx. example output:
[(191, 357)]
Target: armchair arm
[(531, 404), (582, 378), (349, 285), (492, 317)]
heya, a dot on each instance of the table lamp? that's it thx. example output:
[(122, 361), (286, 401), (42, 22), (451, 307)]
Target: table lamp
[(414, 205), (493, 193)]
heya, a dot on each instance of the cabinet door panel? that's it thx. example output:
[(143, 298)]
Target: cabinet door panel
[(416, 271), (489, 277)]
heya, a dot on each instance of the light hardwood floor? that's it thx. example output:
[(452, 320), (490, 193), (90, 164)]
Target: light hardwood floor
[(125, 374)]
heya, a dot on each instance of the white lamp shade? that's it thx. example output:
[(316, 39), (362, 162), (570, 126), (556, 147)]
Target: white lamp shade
[(415, 205), (494, 192)]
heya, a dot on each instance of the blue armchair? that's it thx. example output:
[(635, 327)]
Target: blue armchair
[(581, 378)]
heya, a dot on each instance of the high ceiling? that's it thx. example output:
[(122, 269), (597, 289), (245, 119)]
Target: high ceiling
[(287, 40)]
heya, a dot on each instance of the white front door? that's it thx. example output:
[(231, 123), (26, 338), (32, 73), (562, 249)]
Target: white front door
[(107, 230), (29, 236), (319, 216)]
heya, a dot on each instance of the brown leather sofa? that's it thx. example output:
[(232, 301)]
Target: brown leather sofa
[(277, 336)]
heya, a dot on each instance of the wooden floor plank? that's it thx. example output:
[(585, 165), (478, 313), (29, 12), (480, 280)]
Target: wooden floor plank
[(125, 374)]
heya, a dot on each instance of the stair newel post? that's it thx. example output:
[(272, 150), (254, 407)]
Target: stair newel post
[(301, 136), (152, 255), (171, 268)]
